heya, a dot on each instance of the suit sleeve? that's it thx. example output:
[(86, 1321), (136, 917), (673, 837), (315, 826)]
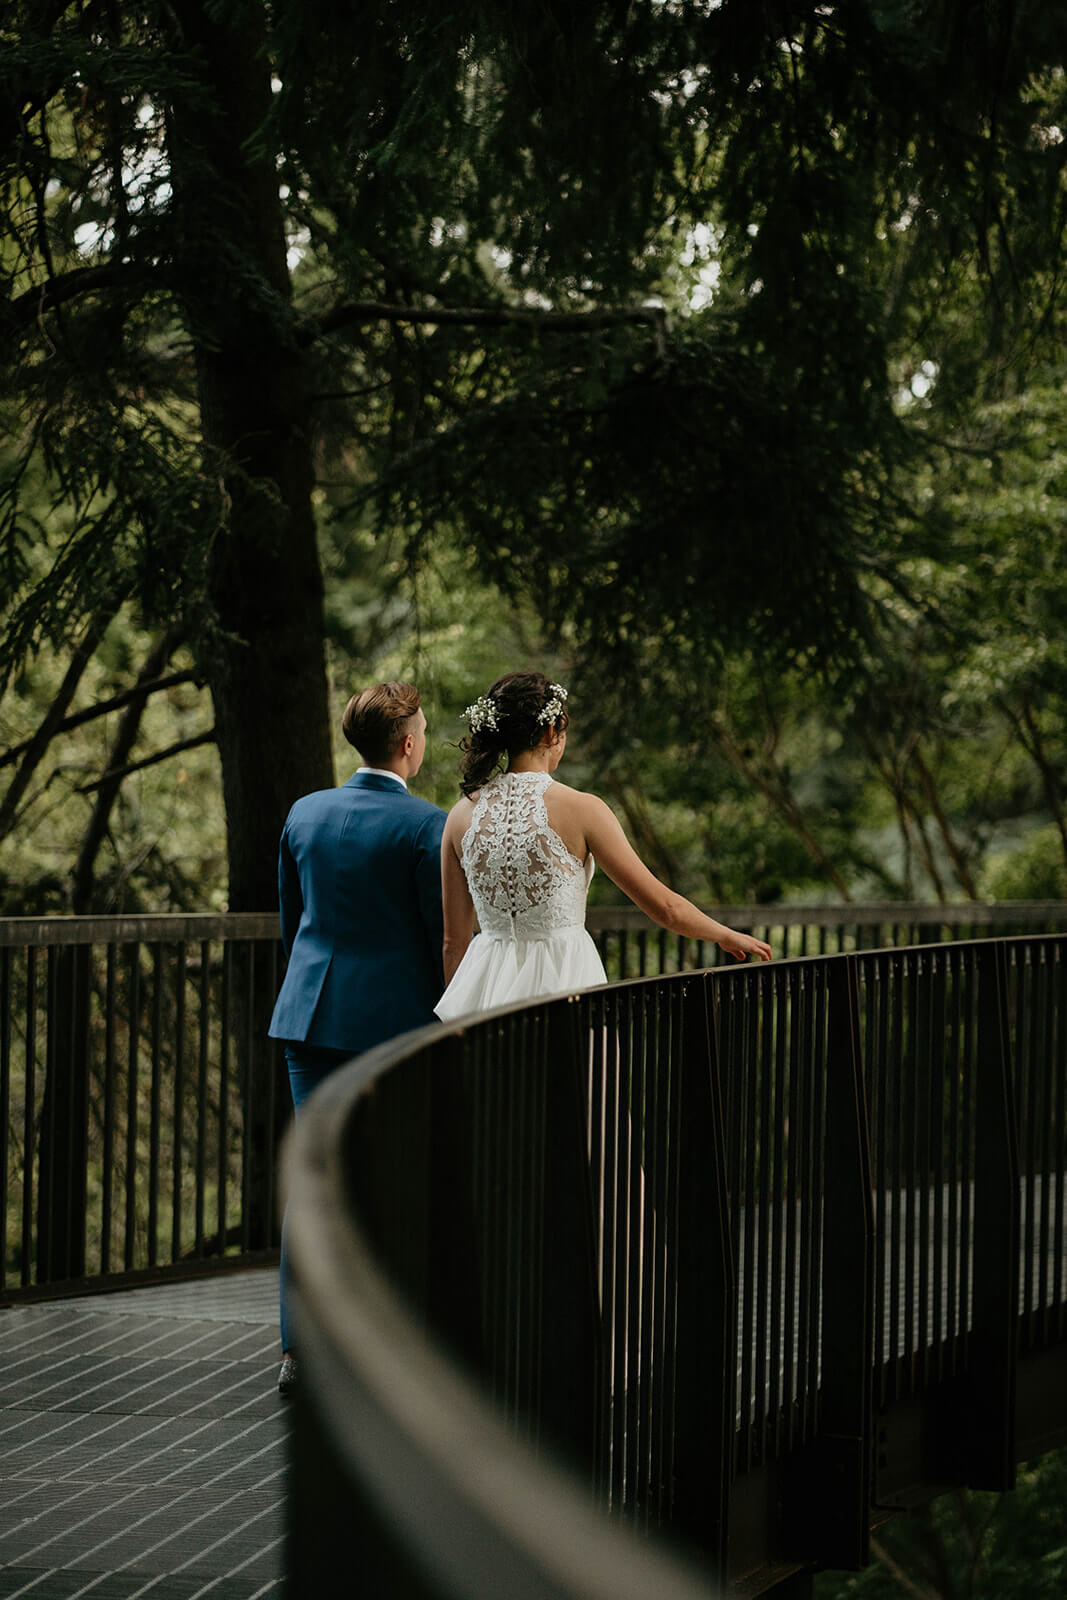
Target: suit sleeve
[(290, 900), (428, 884)]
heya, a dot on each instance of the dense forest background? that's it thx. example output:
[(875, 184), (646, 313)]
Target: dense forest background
[(707, 354)]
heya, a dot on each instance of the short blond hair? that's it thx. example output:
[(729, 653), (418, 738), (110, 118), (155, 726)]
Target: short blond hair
[(375, 720)]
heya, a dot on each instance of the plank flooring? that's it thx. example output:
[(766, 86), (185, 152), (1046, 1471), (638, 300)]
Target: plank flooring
[(143, 1444)]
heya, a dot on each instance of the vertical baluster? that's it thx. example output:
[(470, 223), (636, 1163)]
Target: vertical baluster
[(780, 993), (982, 1430), (273, 1114), (5, 1103), (957, 979), (29, 1115), (48, 1223), (707, 1315), (1058, 1072), (895, 1075), (1027, 1113), (914, 965), (741, 1066), (222, 1167), (927, 1127), (655, 1006), (660, 1091), (248, 1049), (636, 1264), (178, 1105), (133, 1001), (202, 1080), (878, 1094), (1042, 1070), (155, 1104), (107, 1176), (810, 1209), (941, 1071), (967, 1152), (820, 1055), (830, 1499), (795, 1135), (764, 1254)]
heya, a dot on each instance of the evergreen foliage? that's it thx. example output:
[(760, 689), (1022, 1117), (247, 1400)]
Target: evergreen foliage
[(706, 327)]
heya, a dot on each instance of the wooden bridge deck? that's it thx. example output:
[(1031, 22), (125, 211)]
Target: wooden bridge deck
[(143, 1444)]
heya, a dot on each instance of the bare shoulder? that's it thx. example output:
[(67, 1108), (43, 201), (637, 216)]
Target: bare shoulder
[(459, 818), (577, 806)]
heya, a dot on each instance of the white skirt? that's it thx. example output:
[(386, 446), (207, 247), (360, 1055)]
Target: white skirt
[(497, 971)]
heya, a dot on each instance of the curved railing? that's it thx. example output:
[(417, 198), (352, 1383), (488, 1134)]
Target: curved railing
[(753, 1250), (403, 1472)]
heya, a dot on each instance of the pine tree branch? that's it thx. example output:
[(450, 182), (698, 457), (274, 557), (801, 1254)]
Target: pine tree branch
[(101, 709), (34, 750), (116, 774), (31, 306), (108, 786), (352, 312)]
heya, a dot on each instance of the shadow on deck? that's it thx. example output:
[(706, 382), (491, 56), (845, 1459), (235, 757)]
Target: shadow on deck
[(143, 1444)]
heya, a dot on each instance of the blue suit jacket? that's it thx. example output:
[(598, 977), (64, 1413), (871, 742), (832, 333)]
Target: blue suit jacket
[(359, 881)]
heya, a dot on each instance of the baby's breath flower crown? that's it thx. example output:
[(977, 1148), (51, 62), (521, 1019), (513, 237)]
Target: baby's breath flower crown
[(552, 709), (482, 714)]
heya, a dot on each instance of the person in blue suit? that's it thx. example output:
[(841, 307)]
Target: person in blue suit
[(359, 886)]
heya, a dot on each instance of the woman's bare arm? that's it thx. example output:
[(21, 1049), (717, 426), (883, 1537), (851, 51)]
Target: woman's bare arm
[(618, 858), (456, 902)]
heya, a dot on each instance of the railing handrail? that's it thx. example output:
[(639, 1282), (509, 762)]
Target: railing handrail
[(167, 926), (147, 928), (846, 913)]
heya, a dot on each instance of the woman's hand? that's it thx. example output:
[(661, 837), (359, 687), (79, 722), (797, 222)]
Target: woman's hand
[(743, 944)]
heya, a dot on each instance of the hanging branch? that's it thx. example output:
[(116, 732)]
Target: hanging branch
[(117, 773), (352, 312), (57, 290), (102, 709), (36, 747), (108, 786)]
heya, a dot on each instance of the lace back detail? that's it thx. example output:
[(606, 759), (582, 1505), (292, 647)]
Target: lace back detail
[(523, 880)]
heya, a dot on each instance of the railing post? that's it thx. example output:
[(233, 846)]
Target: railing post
[(706, 1354), (569, 1331), (64, 1131), (829, 1490), (977, 1423)]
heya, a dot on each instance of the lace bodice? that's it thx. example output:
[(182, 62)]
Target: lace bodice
[(524, 882)]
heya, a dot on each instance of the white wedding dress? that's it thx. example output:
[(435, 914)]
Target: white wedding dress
[(529, 896)]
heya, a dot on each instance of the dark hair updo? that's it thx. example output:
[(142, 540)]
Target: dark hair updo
[(517, 703)]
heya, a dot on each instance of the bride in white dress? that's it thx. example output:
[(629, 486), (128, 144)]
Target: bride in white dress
[(518, 853)]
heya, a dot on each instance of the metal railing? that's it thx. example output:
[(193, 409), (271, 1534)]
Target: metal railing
[(754, 1250), (141, 1103), (633, 947)]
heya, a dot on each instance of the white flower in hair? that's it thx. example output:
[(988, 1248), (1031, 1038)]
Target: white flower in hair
[(482, 714), (552, 709)]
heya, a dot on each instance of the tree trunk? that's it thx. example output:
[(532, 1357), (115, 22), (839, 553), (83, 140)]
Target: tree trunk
[(265, 662)]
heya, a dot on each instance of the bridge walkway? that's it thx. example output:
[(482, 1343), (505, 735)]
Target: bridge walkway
[(143, 1444)]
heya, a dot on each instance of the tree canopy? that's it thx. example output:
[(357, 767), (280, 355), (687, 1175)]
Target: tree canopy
[(724, 337)]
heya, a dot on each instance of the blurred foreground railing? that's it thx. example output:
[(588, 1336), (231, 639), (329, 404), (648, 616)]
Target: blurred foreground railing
[(140, 1101), (758, 1252)]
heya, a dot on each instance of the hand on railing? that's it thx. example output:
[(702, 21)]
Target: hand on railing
[(741, 945)]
